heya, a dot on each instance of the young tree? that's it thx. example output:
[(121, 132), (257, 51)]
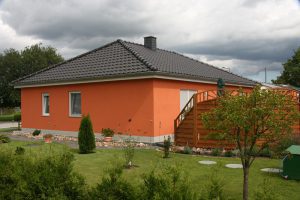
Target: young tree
[(252, 122), (86, 137), (291, 71)]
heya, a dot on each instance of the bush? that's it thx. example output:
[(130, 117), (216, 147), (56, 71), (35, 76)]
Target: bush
[(187, 150), (19, 151), (36, 177), (168, 183), (4, 139), (107, 132), (86, 137), (283, 144), (214, 189), (128, 152), (114, 187), (216, 152), (167, 145), (265, 191), (6, 118), (36, 132), (228, 153), (17, 117)]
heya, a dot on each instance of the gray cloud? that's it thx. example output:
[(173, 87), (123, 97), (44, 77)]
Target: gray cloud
[(244, 35)]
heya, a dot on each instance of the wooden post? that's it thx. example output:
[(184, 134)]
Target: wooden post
[(175, 127), (195, 113)]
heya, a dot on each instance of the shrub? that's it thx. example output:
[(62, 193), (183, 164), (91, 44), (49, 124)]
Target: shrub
[(282, 145), (216, 152), (113, 187), (4, 139), (214, 189), (19, 151), (39, 177), (228, 153), (187, 150), (128, 152), (107, 132), (6, 118), (36, 132), (266, 191), (167, 145), (168, 183), (86, 137)]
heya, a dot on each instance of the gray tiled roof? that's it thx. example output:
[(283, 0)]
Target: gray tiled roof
[(124, 59)]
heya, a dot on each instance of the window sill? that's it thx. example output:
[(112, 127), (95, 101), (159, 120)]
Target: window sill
[(75, 116), (45, 115)]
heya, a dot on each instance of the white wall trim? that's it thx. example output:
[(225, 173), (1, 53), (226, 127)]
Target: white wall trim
[(126, 78)]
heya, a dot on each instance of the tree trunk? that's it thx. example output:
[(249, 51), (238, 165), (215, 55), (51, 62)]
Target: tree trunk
[(245, 185)]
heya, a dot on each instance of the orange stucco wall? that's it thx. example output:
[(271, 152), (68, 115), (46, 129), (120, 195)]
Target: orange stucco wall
[(137, 107), (167, 101), (125, 106)]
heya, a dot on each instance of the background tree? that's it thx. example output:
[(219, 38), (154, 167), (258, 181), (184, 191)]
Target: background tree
[(252, 122), (291, 71), (86, 137), (15, 64)]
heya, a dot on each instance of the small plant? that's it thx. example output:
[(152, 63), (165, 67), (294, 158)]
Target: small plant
[(228, 153), (114, 186), (4, 139), (167, 145), (19, 151), (216, 152), (107, 132), (36, 132), (128, 152), (265, 191), (17, 118), (214, 189), (187, 150), (86, 137)]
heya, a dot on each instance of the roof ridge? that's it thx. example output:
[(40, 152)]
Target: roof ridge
[(197, 61), (63, 62), (137, 55)]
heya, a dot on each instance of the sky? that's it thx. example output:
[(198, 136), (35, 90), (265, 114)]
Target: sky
[(243, 36)]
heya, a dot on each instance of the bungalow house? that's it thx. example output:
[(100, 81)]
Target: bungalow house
[(134, 89)]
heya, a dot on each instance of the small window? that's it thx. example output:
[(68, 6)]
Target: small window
[(75, 104), (45, 104)]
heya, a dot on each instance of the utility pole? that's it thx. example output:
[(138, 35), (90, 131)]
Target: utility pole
[(265, 75)]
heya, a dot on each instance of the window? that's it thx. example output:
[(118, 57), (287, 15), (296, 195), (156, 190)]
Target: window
[(75, 104), (45, 104)]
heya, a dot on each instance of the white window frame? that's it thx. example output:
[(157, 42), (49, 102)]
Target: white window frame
[(43, 104), (70, 106)]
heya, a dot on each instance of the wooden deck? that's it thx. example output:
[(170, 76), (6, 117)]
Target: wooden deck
[(188, 127)]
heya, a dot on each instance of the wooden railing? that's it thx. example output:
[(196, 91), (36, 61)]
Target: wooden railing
[(194, 100)]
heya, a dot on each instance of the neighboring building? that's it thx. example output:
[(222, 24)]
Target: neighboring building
[(134, 89)]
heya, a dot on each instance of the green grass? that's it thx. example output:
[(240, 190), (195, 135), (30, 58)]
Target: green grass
[(93, 166)]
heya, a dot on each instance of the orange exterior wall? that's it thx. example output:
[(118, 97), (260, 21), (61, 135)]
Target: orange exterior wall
[(145, 107), (125, 106), (167, 101)]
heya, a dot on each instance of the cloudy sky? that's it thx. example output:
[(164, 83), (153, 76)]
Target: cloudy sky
[(243, 35)]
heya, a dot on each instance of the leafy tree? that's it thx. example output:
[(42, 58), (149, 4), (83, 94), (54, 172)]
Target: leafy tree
[(291, 71), (252, 122), (86, 137), (15, 64)]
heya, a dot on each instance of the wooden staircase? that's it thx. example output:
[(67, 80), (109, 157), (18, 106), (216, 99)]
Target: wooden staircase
[(188, 127)]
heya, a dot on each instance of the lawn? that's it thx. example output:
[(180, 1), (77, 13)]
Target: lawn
[(93, 166)]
